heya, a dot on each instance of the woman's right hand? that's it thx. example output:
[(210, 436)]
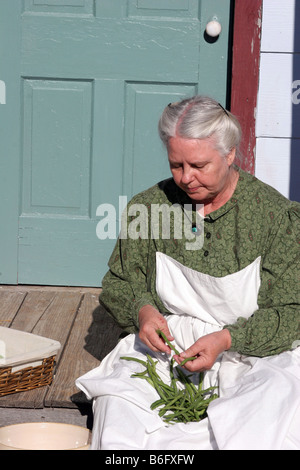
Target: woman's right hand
[(151, 320)]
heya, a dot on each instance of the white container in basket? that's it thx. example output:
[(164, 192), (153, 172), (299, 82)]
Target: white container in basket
[(19, 349)]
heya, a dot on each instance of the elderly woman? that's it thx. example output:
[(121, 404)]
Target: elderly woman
[(226, 292)]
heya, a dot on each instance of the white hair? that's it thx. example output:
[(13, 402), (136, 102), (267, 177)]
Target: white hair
[(201, 117)]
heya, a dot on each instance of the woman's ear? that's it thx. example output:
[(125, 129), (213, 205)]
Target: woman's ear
[(230, 157)]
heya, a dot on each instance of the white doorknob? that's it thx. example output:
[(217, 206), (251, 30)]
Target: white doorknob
[(213, 28)]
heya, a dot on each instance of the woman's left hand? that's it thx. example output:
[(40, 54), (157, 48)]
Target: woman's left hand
[(206, 350)]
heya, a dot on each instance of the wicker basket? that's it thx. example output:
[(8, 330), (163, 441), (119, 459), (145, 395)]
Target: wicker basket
[(26, 361)]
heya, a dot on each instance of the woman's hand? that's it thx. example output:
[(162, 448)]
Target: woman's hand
[(206, 349), (151, 320)]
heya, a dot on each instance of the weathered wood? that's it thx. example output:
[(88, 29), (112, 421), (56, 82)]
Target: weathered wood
[(92, 336), (75, 359), (245, 74), (59, 317), (103, 334), (10, 303), (34, 306), (29, 288)]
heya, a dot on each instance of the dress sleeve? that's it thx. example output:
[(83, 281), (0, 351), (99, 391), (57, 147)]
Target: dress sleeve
[(125, 288), (275, 326)]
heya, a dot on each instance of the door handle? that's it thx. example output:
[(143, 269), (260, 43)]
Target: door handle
[(213, 28)]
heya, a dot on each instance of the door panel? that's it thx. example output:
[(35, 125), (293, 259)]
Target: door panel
[(164, 8), (82, 7), (131, 49), (94, 77), (144, 157), (56, 147)]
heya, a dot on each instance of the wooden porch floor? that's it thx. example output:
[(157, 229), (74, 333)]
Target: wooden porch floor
[(73, 317)]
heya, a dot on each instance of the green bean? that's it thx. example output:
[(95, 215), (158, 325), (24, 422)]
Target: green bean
[(156, 385), (134, 359), (197, 403), (140, 374), (200, 414), (166, 388), (190, 391), (160, 333), (169, 404), (192, 358), (200, 381), (148, 379), (195, 390), (150, 359), (179, 416), (157, 403), (183, 377), (173, 380), (206, 391)]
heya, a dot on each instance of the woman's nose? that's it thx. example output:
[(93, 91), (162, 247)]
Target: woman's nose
[(187, 175)]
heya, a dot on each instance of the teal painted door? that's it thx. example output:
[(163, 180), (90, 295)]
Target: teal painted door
[(85, 83)]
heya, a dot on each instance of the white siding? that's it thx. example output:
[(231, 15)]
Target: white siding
[(277, 115)]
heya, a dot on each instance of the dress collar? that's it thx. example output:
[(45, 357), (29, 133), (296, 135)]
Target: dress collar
[(238, 196)]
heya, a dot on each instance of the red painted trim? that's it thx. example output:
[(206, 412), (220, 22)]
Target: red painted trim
[(245, 73)]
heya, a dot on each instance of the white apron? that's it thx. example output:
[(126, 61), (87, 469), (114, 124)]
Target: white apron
[(259, 404)]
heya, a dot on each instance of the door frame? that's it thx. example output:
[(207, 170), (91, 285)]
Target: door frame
[(244, 85)]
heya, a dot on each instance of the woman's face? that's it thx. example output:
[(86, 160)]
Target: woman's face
[(199, 169)]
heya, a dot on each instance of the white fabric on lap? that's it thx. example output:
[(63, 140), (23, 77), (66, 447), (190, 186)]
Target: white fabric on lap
[(259, 404)]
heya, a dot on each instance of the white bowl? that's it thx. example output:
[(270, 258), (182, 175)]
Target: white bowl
[(44, 436)]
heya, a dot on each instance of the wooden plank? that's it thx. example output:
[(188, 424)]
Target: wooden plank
[(28, 288), (103, 334), (55, 323), (58, 319), (33, 308), (245, 74), (275, 114), (93, 335), (10, 303), (273, 162), (278, 26), (75, 359)]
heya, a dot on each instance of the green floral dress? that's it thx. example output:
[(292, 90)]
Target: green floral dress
[(256, 221)]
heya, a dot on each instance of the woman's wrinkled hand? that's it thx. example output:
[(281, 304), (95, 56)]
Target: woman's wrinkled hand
[(151, 320), (206, 349)]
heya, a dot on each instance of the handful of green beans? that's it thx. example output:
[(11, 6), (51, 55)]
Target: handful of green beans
[(182, 404)]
